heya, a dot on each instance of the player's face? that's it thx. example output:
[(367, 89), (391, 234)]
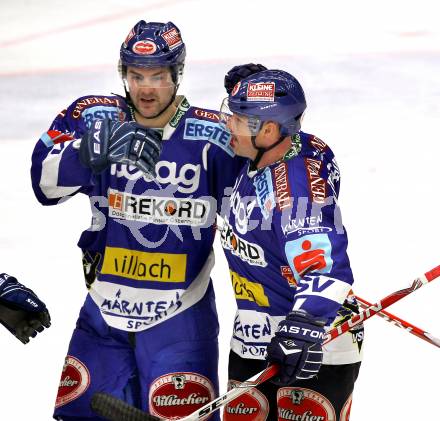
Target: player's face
[(151, 89), (241, 136)]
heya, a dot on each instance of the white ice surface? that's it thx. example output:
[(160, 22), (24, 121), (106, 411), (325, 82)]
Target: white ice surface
[(371, 74)]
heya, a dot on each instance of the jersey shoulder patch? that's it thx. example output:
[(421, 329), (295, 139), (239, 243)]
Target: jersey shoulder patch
[(93, 107), (202, 124)]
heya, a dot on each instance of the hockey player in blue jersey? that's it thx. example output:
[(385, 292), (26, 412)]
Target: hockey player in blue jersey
[(21, 311), (286, 249), (155, 169)]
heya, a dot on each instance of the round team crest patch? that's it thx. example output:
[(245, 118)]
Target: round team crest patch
[(297, 403), (75, 379), (144, 48), (251, 406), (176, 395)]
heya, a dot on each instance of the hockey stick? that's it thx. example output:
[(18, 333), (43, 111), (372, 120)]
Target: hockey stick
[(116, 410), (397, 321)]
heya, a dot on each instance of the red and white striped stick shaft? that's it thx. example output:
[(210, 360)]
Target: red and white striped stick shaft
[(332, 334), (382, 304), (397, 321)]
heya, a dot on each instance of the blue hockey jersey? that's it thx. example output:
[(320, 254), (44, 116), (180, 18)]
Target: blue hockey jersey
[(287, 249), (154, 235)]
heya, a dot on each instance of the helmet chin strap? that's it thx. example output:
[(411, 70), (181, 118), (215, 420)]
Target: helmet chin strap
[(261, 151)]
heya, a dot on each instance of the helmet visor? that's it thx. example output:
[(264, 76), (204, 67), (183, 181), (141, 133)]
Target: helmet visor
[(238, 124), (153, 77)]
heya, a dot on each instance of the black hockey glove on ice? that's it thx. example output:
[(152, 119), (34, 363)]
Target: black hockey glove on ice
[(296, 347), (112, 142), (240, 72), (21, 311)]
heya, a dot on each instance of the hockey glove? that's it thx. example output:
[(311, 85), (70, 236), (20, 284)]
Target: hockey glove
[(240, 72), (21, 311), (112, 142), (296, 347)]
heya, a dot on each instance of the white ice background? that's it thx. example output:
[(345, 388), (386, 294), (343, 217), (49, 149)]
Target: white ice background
[(371, 74)]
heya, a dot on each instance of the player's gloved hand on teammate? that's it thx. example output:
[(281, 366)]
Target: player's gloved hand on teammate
[(113, 142), (21, 311), (296, 347), (240, 72)]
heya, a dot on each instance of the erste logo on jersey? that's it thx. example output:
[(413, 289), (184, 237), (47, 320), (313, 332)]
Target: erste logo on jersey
[(172, 38), (251, 406), (262, 91), (179, 394), (297, 403), (264, 190), (75, 380), (309, 253), (186, 178), (317, 184), (213, 132), (250, 253), (157, 209)]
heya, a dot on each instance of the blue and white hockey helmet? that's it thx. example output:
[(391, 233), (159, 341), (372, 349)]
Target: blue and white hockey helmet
[(154, 44), (270, 95)]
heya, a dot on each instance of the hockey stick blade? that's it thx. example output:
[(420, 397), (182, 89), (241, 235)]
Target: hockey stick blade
[(398, 322), (114, 409)]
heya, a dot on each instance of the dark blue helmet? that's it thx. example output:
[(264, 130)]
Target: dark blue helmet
[(154, 44), (270, 95)]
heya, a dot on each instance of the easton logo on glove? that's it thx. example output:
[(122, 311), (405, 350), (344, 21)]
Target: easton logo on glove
[(296, 347)]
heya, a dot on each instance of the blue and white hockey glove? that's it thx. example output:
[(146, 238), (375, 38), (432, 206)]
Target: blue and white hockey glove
[(21, 311), (113, 142), (240, 72), (296, 347)]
